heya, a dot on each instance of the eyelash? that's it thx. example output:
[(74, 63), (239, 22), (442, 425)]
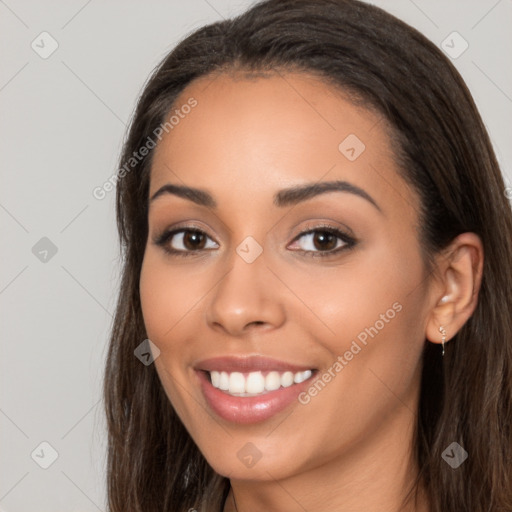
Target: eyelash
[(163, 239)]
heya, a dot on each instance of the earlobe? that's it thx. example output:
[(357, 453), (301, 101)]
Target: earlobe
[(455, 294)]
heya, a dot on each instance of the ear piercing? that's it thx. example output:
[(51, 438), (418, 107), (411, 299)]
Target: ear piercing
[(443, 334), (441, 328)]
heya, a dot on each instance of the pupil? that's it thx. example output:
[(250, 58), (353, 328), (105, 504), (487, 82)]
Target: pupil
[(322, 236), (190, 238)]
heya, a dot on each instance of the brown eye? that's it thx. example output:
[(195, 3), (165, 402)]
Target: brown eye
[(193, 240), (323, 241), (183, 242)]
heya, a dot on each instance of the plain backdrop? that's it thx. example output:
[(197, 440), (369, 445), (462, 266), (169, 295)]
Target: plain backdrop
[(63, 118)]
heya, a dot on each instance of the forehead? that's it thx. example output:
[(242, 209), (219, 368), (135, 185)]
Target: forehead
[(262, 133)]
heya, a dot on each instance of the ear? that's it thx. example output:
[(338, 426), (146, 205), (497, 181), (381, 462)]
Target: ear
[(455, 293)]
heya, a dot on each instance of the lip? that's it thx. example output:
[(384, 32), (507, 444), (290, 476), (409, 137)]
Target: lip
[(248, 364), (254, 409)]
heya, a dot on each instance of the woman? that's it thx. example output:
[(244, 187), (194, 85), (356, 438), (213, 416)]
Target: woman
[(318, 244)]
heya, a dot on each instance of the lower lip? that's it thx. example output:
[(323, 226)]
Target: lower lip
[(251, 409)]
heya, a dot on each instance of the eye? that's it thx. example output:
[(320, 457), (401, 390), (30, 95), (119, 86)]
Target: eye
[(324, 241), (184, 241), (319, 241)]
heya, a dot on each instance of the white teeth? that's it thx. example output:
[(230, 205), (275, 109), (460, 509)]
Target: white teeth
[(224, 381), (237, 383), (272, 381), (215, 379), (287, 379), (254, 383), (301, 376)]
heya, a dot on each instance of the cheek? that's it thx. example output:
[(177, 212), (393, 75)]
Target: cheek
[(373, 311), (337, 304), (369, 312), (165, 300), (154, 294), (167, 294), (378, 324)]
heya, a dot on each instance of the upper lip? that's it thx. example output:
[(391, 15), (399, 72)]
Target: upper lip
[(248, 364)]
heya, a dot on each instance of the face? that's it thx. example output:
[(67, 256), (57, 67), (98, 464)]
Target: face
[(290, 324)]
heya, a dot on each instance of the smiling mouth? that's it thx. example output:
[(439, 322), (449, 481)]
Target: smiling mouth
[(256, 383)]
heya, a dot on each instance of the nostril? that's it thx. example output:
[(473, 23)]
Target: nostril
[(257, 322)]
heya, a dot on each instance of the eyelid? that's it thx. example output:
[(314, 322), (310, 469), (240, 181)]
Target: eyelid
[(328, 225), (182, 227)]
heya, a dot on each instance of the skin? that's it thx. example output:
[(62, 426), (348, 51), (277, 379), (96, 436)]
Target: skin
[(349, 448)]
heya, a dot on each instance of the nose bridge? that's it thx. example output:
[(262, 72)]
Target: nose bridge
[(246, 294)]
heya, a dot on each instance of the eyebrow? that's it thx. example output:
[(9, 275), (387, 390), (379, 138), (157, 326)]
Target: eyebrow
[(285, 197)]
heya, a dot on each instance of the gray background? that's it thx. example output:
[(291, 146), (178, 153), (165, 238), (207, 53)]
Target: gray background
[(62, 122)]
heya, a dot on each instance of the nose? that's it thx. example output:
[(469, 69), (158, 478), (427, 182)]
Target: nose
[(248, 297)]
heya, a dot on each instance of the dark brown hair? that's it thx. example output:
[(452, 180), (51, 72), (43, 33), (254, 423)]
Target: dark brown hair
[(444, 153)]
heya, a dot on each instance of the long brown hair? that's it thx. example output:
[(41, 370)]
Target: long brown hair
[(443, 152)]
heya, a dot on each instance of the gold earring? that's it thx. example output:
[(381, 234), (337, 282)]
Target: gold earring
[(443, 334)]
